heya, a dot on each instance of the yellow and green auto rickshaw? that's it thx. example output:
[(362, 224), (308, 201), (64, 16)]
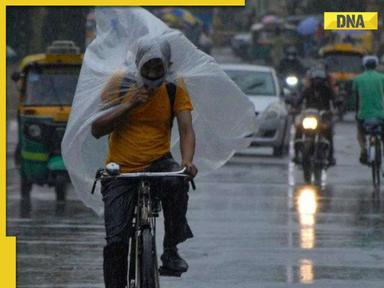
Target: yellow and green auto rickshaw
[(343, 62), (46, 84)]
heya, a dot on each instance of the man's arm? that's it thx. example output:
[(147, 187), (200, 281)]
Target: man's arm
[(187, 141), (302, 96), (105, 124)]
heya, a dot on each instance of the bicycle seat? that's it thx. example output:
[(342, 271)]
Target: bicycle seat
[(373, 126)]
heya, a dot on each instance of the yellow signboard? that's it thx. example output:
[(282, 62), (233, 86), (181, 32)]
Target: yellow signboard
[(350, 20)]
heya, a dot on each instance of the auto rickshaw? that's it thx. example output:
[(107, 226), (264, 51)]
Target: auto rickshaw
[(343, 62), (266, 39), (363, 39), (46, 87)]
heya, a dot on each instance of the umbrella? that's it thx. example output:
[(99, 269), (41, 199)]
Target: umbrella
[(270, 19), (177, 17), (308, 26)]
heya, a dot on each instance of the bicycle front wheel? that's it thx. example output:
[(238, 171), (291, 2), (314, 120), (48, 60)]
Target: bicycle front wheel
[(376, 168), (148, 263)]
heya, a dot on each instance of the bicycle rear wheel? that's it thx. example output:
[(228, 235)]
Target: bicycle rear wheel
[(378, 163), (148, 263)]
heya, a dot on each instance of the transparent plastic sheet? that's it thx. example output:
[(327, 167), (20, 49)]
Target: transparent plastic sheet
[(222, 114)]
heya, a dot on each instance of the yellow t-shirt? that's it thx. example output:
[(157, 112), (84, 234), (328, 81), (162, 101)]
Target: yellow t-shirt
[(144, 134)]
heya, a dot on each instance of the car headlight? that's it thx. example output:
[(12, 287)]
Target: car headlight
[(34, 131), (310, 123), (272, 114), (292, 80)]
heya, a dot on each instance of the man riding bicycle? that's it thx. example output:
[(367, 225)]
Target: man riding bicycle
[(139, 132), (318, 95), (369, 90)]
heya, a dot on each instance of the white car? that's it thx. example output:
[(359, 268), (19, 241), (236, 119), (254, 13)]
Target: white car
[(261, 85)]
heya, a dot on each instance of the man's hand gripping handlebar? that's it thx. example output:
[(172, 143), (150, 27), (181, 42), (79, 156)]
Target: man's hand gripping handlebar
[(112, 171)]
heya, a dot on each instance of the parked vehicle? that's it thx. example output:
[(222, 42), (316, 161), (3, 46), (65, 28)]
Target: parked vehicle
[(240, 44), (46, 84), (261, 85)]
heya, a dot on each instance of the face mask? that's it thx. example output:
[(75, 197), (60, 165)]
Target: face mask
[(153, 83)]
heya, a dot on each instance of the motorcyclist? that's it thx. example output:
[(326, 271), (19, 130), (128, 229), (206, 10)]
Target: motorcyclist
[(291, 64), (369, 90), (318, 95), (139, 132)]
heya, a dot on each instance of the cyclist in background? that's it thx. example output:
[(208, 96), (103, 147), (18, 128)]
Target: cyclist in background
[(369, 90)]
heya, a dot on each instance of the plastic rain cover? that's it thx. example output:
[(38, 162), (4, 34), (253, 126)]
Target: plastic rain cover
[(222, 116)]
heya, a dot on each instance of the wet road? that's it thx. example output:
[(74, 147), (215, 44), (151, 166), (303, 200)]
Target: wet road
[(254, 223)]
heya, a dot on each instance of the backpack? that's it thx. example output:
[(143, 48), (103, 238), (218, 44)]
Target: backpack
[(171, 91)]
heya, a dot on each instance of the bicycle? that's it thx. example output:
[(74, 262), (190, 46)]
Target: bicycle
[(143, 270), (374, 130)]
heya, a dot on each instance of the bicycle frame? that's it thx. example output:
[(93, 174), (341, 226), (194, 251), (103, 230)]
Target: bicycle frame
[(143, 254), (375, 157), (143, 219)]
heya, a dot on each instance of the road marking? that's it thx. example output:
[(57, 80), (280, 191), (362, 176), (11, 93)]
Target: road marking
[(53, 226), (66, 285), (61, 242)]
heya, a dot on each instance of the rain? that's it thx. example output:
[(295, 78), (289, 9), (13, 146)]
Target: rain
[(276, 214)]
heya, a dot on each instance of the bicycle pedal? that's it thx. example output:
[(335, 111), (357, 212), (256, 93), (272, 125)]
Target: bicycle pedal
[(171, 273)]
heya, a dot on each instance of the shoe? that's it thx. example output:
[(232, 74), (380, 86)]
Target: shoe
[(363, 158), (172, 260)]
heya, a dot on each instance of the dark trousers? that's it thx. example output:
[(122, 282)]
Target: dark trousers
[(361, 136), (119, 198)]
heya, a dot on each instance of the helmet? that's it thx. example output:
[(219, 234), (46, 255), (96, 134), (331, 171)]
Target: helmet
[(291, 53), (370, 61)]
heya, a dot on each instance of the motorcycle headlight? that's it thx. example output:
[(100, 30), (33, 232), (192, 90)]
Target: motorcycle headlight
[(34, 131), (310, 123), (292, 80)]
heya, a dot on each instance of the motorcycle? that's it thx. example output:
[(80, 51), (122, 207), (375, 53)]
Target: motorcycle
[(312, 147)]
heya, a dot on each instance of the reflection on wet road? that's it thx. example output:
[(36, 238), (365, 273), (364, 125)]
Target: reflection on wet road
[(255, 225)]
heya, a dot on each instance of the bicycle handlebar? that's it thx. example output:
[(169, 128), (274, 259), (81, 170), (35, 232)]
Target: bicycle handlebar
[(103, 174), (180, 173)]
